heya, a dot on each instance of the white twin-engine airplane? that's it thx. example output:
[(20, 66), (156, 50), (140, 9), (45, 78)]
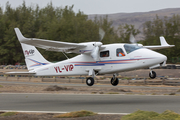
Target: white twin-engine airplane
[(94, 59)]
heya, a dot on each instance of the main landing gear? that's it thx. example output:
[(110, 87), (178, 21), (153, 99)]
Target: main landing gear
[(114, 81), (152, 74), (90, 81)]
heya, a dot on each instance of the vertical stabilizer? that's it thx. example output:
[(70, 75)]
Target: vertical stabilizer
[(32, 56), (163, 41)]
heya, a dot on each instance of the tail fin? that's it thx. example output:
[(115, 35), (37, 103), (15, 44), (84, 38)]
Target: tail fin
[(33, 57)]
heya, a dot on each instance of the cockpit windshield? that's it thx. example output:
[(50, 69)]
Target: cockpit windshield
[(130, 48)]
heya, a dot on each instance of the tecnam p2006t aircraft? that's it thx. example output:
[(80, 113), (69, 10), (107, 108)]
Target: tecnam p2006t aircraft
[(94, 59)]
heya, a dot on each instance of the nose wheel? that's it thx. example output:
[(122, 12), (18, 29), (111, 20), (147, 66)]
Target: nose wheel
[(90, 81), (152, 74), (114, 80)]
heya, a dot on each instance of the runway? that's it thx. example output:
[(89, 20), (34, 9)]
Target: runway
[(95, 103)]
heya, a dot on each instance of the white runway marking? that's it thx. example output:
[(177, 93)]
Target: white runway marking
[(60, 112)]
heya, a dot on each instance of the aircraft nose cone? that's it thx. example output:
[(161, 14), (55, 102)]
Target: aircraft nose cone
[(163, 57), (160, 57), (155, 57)]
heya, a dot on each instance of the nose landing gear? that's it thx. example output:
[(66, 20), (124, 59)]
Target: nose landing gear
[(152, 74), (114, 80)]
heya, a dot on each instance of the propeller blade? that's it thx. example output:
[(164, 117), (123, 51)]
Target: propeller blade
[(101, 34), (132, 39), (95, 53)]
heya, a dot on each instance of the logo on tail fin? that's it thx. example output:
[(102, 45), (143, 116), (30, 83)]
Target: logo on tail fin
[(29, 52)]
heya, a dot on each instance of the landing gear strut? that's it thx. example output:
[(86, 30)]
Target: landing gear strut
[(114, 80), (90, 81), (152, 74)]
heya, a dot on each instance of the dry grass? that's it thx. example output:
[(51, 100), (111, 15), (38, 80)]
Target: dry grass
[(8, 114), (82, 113), (112, 93), (150, 115), (178, 90)]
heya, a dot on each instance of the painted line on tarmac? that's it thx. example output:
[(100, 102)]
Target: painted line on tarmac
[(60, 112)]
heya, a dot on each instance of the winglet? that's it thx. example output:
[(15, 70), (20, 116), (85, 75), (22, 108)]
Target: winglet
[(19, 35)]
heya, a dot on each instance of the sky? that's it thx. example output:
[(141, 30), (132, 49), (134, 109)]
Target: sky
[(102, 6)]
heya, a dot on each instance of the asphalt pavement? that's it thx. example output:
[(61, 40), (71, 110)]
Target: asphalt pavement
[(95, 103)]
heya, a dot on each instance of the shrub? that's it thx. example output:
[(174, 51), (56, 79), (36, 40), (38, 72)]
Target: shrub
[(82, 113), (8, 114), (146, 115)]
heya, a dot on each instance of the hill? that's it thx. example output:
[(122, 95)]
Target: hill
[(138, 18)]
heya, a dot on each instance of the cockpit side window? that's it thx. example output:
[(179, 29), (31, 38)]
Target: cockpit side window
[(119, 52), (130, 48), (104, 54)]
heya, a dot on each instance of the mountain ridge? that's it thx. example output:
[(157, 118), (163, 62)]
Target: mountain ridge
[(137, 18)]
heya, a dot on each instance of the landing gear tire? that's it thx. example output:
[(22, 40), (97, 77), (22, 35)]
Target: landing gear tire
[(114, 81), (90, 81), (152, 75)]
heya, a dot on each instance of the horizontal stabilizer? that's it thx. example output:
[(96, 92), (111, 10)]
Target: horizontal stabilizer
[(21, 73), (163, 45), (158, 47)]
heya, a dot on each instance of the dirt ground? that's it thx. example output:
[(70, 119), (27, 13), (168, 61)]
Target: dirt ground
[(101, 89)]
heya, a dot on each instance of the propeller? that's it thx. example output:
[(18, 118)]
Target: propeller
[(101, 34), (95, 51), (132, 39)]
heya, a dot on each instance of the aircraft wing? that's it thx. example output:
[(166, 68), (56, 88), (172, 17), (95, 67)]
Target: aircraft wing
[(49, 45), (163, 45)]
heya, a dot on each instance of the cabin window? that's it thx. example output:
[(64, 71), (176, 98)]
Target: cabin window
[(104, 54), (120, 52), (130, 48)]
